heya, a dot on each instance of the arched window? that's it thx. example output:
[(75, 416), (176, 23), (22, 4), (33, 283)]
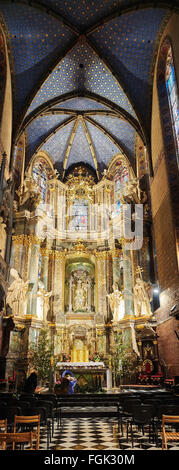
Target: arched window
[(173, 99), (80, 215), (120, 176), (169, 113), (41, 172)]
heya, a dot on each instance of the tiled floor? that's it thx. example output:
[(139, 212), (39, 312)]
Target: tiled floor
[(96, 434)]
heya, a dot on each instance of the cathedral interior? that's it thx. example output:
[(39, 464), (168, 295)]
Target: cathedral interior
[(89, 185)]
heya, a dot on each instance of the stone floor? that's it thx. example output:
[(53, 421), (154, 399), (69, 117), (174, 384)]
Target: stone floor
[(97, 434)]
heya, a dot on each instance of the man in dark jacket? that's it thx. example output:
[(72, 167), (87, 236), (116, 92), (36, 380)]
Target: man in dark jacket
[(31, 383)]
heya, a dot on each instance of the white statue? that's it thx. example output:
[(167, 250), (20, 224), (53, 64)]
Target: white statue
[(80, 297), (116, 302), (3, 236), (46, 304), (132, 190), (43, 298), (141, 298), (29, 192), (16, 293)]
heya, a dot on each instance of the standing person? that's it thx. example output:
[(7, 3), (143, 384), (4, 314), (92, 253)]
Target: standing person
[(31, 383)]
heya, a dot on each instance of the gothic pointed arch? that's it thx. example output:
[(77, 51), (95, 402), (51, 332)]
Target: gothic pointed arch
[(166, 115)]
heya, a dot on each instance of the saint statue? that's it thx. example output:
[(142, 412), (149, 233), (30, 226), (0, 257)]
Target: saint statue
[(46, 304), (43, 298), (141, 298), (16, 293), (116, 302), (80, 297)]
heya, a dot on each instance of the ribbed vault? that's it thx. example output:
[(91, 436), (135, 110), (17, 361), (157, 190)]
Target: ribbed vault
[(82, 75)]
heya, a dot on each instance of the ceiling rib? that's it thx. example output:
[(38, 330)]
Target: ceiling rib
[(110, 136), (114, 74), (68, 49), (58, 128), (49, 11), (48, 107), (43, 79), (69, 144), (128, 9), (93, 153)]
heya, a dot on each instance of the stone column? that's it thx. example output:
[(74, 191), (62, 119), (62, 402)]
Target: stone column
[(145, 259), (89, 295), (15, 252), (26, 258), (128, 283), (109, 379), (60, 202), (58, 281), (2, 171), (20, 255), (116, 256), (100, 275), (70, 295), (33, 274), (44, 266)]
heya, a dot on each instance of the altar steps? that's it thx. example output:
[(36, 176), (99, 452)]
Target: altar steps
[(88, 411)]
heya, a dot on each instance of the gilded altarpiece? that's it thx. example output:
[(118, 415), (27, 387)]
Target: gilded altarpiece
[(81, 282)]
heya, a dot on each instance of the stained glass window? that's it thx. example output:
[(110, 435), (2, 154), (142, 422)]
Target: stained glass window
[(173, 99), (121, 176), (80, 215), (41, 173)]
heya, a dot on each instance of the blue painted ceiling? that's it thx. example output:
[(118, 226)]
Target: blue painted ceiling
[(82, 72)]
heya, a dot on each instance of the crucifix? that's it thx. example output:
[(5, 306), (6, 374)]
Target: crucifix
[(139, 271)]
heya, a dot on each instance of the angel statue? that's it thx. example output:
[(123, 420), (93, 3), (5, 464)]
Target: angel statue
[(116, 302), (16, 293)]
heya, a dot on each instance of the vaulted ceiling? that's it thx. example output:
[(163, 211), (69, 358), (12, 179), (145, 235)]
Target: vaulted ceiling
[(82, 75)]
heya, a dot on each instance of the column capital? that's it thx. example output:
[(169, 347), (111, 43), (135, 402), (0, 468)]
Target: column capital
[(115, 252), (26, 239), (102, 255), (18, 239), (45, 251), (33, 239), (58, 255)]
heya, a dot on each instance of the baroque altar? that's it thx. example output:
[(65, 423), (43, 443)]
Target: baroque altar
[(91, 375), (72, 271)]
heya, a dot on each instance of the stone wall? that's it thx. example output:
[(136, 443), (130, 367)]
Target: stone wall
[(164, 222), (168, 346)]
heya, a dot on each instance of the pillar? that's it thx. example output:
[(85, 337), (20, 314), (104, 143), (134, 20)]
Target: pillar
[(70, 284), (100, 277), (116, 258), (44, 267), (58, 280), (128, 283), (17, 241), (145, 259), (89, 295), (109, 379), (33, 274)]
